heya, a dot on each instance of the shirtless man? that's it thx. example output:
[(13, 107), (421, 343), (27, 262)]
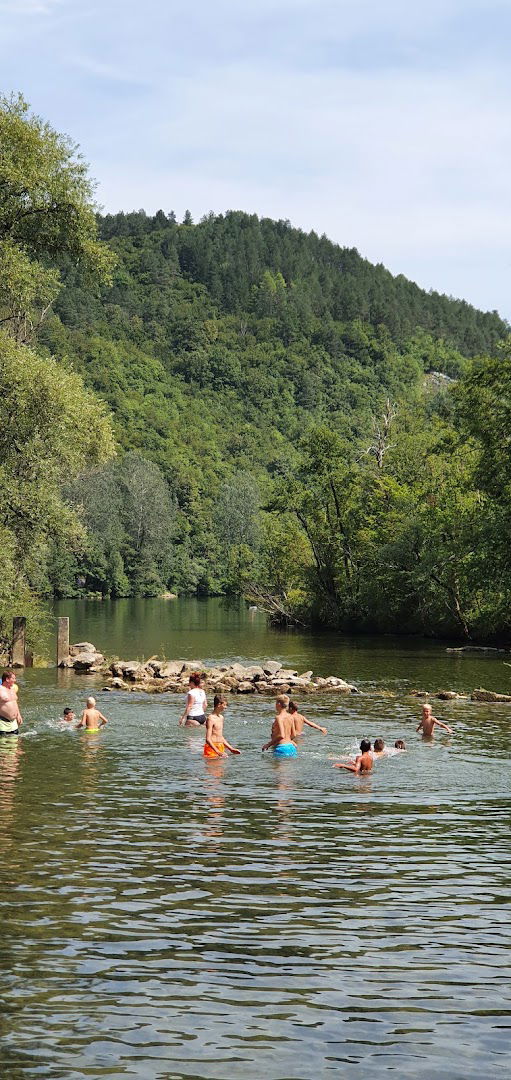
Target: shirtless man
[(216, 744), (10, 716), (363, 763), (299, 721), (429, 722), (91, 718), (281, 740)]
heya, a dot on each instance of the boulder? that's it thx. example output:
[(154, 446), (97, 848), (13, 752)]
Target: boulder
[(88, 661), (134, 670), (170, 669), (118, 684), (340, 685), (270, 667), (307, 675), (285, 675), (82, 647), (246, 687), (447, 695), (255, 672), (239, 670), (489, 695)]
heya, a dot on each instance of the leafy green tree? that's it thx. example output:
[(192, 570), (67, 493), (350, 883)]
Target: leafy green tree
[(46, 212)]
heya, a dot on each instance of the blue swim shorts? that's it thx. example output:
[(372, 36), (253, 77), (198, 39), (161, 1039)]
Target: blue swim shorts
[(285, 749)]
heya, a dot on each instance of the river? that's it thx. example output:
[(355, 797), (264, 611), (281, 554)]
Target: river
[(165, 917)]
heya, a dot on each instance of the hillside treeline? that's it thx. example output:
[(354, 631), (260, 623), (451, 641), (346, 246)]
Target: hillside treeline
[(288, 421)]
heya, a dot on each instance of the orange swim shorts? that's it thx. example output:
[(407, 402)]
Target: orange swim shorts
[(209, 752)]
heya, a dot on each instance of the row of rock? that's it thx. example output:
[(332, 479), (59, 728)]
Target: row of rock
[(159, 676), (451, 695)]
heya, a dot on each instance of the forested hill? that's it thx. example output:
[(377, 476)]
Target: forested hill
[(239, 358), (241, 260)]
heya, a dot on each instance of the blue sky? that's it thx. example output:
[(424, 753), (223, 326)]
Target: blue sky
[(382, 123)]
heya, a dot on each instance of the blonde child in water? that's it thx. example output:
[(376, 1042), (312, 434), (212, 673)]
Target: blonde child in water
[(216, 744), (91, 718), (429, 722)]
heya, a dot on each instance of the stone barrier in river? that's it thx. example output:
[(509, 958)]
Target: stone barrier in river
[(160, 676), (156, 676)]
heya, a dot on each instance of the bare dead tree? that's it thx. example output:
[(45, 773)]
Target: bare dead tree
[(381, 427)]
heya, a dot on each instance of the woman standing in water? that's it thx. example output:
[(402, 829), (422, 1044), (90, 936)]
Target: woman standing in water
[(196, 703)]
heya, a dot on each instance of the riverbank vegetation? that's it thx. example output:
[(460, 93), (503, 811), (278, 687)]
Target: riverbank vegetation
[(290, 421)]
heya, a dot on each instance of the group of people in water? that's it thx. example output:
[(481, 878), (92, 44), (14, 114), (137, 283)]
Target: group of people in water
[(286, 729)]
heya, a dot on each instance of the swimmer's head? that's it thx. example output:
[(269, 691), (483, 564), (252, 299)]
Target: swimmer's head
[(292, 707), (219, 699), (365, 746), (68, 713), (399, 744), (195, 679), (9, 676), (426, 709), (378, 745), (282, 701), (90, 703)]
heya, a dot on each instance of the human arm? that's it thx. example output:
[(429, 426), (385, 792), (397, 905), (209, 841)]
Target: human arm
[(103, 719), (232, 749), (419, 725), (81, 722), (446, 727), (310, 723), (351, 766)]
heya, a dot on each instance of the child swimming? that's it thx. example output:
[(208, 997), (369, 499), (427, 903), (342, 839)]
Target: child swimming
[(379, 748), (363, 763), (216, 744), (429, 722), (91, 718)]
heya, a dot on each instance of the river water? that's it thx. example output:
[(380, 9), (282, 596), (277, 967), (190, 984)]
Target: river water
[(164, 916)]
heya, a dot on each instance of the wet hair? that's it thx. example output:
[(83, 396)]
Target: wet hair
[(7, 674), (219, 699), (378, 745), (365, 745), (292, 707), (91, 701), (399, 744), (282, 700), (67, 710), (195, 678)]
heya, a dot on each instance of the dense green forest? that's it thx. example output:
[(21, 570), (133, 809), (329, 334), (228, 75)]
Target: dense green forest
[(254, 409)]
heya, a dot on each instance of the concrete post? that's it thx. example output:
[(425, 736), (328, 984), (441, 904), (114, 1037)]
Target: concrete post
[(62, 640), (19, 624)]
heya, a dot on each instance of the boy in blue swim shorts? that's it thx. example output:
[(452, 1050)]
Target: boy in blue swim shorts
[(281, 741)]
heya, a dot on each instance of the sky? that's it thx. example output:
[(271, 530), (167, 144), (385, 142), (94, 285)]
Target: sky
[(382, 123)]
